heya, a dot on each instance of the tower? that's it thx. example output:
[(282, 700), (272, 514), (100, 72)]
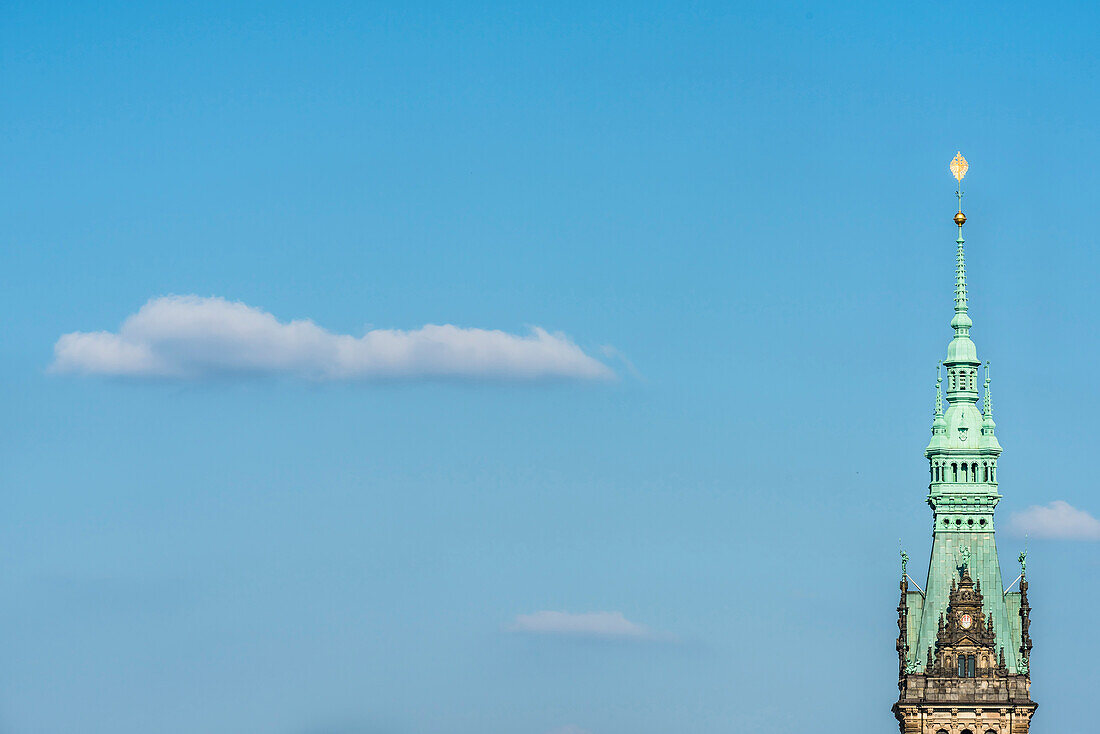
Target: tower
[(963, 642)]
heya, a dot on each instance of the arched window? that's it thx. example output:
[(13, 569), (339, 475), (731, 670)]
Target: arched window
[(974, 472), (954, 472), (969, 666), (962, 666), (985, 472)]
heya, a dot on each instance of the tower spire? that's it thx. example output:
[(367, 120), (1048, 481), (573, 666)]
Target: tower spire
[(962, 356), (964, 624), (961, 322)]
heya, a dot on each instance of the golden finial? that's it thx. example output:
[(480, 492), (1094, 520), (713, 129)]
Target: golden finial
[(959, 166)]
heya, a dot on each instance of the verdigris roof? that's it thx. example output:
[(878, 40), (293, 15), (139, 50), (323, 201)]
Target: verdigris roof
[(963, 494)]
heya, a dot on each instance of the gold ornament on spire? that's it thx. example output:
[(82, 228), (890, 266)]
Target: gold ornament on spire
[(959, 166)]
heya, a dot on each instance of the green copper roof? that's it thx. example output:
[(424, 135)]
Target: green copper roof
[(943, 568), (963, 491)]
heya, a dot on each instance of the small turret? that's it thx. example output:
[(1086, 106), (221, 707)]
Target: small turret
[(903, 617), (939, 424), (989, 426)]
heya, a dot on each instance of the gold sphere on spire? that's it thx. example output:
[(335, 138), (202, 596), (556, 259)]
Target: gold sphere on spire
[(959, 166), (960, 219)]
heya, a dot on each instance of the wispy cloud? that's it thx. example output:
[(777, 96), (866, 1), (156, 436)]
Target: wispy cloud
[(1059, 520), (192, 337), (606, 625)]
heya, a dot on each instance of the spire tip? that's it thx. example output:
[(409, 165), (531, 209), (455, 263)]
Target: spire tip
[(959, 166)]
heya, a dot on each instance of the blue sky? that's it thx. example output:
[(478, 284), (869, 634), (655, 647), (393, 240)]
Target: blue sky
[(739, 212)]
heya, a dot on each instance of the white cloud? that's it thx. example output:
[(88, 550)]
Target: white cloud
[(1059, 520), (608, 625), (191, 337)]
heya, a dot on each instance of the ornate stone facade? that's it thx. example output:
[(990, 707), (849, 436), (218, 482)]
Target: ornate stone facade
[(965, 686)]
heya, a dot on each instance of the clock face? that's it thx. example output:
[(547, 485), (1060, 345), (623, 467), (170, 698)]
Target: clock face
[(965, 621)]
